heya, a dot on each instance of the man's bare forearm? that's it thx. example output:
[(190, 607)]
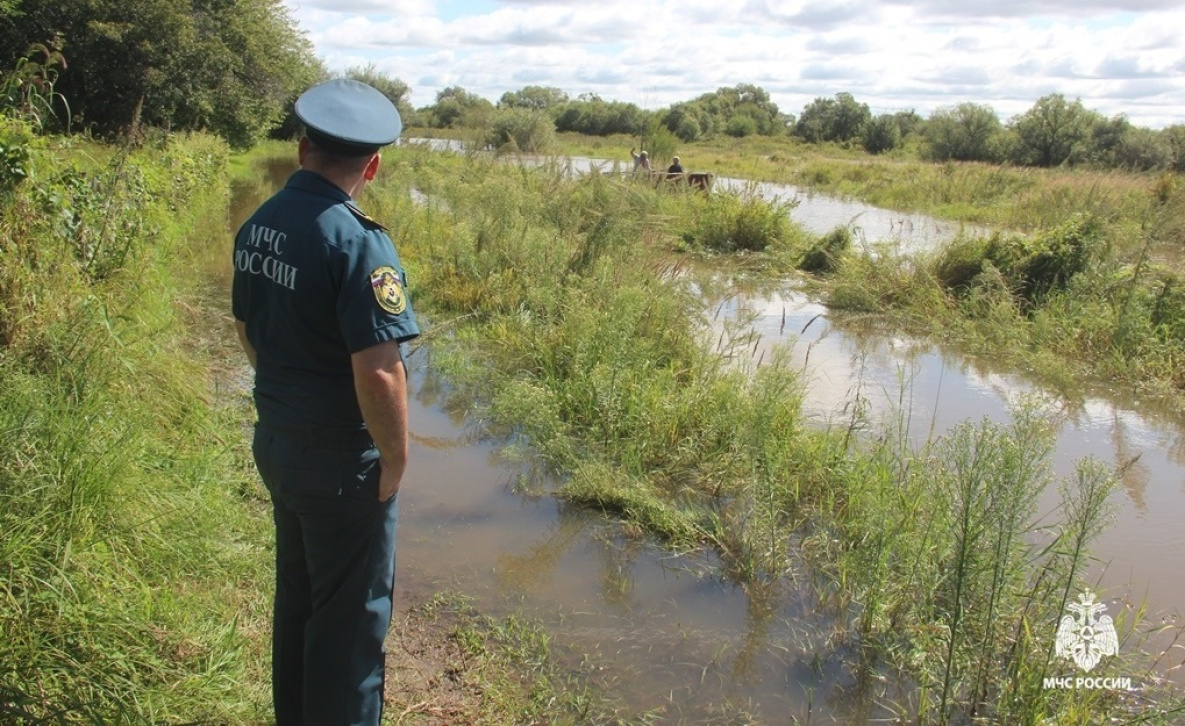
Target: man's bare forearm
[(381, 385)]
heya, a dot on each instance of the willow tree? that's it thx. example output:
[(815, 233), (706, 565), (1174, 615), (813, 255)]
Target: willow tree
[(1051, 131)]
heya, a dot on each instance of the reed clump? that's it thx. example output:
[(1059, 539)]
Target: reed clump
[(825, 255)]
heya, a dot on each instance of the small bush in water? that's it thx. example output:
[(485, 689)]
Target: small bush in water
[(744, 222), (824, 255), (1033, 266)]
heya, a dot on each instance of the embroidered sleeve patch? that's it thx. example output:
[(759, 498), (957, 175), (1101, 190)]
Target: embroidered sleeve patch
[(388, 290)]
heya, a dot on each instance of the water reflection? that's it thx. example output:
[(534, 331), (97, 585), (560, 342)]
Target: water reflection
[(854, 370)]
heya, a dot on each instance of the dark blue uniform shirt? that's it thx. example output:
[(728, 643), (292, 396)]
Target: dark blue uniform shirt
[(315, 280)]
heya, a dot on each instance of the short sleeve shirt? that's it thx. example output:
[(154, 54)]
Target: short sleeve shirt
[(315, 280)]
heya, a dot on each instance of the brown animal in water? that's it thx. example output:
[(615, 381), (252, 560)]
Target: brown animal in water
[(700, 180)]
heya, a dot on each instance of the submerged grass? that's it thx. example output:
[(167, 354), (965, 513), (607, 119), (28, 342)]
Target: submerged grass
[(1078, 282), (562, 309), (488, 670)]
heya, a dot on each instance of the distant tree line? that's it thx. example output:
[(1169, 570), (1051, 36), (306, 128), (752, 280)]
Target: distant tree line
[(234, 67), (1055, 131)]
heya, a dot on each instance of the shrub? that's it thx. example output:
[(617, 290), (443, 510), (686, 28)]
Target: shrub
[(1168, 309), (741, 126), (16, 138), (881, 134), (1032, 266), (519, 129), (1048, 261), (741, 222)]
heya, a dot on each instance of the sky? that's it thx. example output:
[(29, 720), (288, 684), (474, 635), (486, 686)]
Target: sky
[(1117, 56)]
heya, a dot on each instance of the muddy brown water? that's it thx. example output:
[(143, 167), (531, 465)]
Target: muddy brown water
[(661, 631)]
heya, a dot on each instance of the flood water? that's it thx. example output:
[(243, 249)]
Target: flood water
[(669, 636)]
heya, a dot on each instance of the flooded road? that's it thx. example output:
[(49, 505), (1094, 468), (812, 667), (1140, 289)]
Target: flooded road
[(669, 636)]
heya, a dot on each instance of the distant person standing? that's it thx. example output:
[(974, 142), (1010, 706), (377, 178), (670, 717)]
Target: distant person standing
[(641, 161), (320, 304)]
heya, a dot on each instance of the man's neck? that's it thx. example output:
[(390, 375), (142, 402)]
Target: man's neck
[(351, 184)]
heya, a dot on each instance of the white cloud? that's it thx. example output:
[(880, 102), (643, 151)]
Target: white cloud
[(891, 54)]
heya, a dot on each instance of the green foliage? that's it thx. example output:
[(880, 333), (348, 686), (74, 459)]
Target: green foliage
[(824, 256), (519, 129), (393, 88), (966, 132), (457, 108), (839, 119), (741, 126), (660, 142), (28, 92), (600, 118), (114, 469), (16, 143), (687, 121), (1116, 144), (1175, 136), (575, 334), (229, 67), (1050, 132), (1033, 267), (535, 98), (1043, 263), (940, 555), (1168, 307), (881, 134), (742, 110), (740, 222)]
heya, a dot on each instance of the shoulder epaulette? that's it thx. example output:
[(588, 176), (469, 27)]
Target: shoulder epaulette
[(366, 218)]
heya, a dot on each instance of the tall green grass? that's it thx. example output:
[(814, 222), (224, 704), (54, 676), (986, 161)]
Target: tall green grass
[(562, 313), (133, 575)]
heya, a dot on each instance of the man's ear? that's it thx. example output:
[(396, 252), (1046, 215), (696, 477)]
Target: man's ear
[(302, 149), (372, 167)]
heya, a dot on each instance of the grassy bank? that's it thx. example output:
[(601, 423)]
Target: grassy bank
[(135, 572), (562, 311)]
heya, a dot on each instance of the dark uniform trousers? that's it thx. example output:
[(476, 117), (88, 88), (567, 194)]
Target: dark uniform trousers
[(335, 570)]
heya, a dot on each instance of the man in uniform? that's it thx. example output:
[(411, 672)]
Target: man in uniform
[(320, 304)]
